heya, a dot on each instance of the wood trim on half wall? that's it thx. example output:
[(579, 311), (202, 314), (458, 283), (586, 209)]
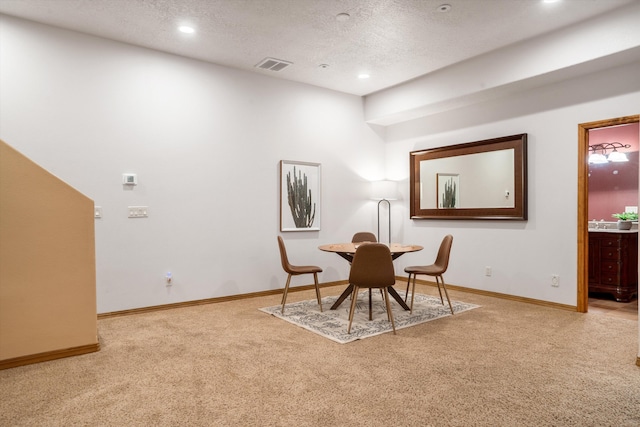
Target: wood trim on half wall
[(49, 355)]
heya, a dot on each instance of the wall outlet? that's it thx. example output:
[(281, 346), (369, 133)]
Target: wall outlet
[(487, 271), (555, 280)]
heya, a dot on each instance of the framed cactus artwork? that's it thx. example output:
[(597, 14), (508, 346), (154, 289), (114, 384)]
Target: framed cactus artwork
[(299, 196), (448, 190)]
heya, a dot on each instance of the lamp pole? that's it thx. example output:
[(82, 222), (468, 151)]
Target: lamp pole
[(389, 208)]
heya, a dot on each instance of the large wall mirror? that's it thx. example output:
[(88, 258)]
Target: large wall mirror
[(476, 180)]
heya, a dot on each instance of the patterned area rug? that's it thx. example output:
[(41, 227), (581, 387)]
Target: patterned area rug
[(333, 324)]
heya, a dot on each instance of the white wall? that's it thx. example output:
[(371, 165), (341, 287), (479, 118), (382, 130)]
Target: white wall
[(523, 255), (205, 142)]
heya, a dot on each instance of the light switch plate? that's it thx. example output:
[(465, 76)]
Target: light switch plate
[(138, 211), (97, 211)]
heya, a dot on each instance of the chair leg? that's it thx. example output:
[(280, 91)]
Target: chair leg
[(439, 291), (389, 313), (386, 307), (284, 294), (406, 294), (353, 307), (446, 293), (315, 280), (413, 293), (370, 311)]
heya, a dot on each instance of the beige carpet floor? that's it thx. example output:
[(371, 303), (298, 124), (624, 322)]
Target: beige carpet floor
[(228, 364)]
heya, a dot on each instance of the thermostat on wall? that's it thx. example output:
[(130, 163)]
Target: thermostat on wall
[(129, 179)]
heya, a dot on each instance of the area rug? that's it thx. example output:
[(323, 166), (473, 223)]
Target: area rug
[(332, 324)]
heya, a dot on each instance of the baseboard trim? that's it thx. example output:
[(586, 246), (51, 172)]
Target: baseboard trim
[(323, 285), (498, 295), (215, 300), (49, 355)]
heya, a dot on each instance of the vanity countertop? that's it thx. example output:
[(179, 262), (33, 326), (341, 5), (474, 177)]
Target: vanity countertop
[(611, 230)]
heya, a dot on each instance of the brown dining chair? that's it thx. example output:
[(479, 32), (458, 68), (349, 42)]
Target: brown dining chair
[(372, 267), (296, 270), (363, 236), (437, 269)]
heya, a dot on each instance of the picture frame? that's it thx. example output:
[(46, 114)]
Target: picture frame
[(300, 196), (492, 172), (448, 190)]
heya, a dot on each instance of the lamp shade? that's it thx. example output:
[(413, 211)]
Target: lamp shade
[(597, 158), (616, 156), (384, 190)]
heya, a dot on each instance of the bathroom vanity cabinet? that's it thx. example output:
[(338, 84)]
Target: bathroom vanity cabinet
[(613, 263)]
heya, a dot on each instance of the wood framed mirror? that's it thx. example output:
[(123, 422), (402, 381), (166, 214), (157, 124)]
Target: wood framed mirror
[(476, 180)]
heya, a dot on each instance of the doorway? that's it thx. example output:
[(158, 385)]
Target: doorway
[(583, 202)]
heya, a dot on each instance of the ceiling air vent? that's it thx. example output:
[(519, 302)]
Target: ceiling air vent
[(273, 64)]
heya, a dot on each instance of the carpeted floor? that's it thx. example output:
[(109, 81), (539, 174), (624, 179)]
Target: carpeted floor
[(503, 364)]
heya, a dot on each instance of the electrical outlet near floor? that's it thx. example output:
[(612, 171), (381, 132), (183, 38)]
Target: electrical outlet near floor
[(555, 280), (487, 271)]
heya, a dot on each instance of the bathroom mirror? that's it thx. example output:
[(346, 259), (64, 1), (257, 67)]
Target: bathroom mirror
[(476, 180)]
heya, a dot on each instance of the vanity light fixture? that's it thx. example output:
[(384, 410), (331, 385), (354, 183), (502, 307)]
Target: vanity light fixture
[(617, 156), (597, 159), (599, 153)]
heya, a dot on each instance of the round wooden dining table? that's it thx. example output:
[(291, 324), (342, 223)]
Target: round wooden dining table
[(348, 250)]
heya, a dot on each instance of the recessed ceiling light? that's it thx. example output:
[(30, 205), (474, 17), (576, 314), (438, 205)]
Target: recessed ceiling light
[(186, 29), (363, 76), (342, 17), (550, 1), (444, 8)]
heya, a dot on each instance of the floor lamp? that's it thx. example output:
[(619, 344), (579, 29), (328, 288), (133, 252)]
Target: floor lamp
[(384, 191)]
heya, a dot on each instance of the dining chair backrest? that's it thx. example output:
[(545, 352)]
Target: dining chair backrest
[(286, 266), (442, 260), (363, 236), (372, 267)]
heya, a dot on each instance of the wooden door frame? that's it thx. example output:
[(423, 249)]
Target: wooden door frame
[(583, 203)]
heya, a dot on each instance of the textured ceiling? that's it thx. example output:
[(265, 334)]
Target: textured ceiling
[(392, 40)]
